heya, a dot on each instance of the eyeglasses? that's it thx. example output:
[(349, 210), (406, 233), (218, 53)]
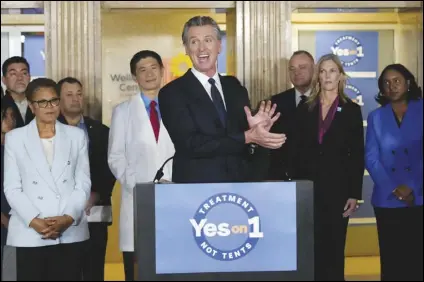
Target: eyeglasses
[(44, 103)]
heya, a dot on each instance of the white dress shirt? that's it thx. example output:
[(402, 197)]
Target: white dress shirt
[(23, 107), (204, 80), (298, 94)]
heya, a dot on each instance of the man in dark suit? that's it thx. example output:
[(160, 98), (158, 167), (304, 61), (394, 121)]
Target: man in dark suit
[(16, 76), (301, 70), (98, 210), (208, 117)]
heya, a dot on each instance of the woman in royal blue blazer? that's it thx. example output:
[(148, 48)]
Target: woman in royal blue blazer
[(394, 159)]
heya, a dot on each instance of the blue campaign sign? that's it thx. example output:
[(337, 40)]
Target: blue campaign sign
[(357, 50), (247, 229), (363, 91)]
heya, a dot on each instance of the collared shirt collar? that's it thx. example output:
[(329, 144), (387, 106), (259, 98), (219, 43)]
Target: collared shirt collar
[(81, 124), (299, 94), (204, 79), (82, 120), (147, 100), (307, 93)]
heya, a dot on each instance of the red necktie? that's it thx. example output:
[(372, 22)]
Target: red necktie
[(154, 119)]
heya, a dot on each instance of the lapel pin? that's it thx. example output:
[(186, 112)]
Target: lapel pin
[(339, 109), (69, 162)]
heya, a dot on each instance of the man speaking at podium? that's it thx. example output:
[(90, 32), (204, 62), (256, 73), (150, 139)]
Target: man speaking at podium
[(208, 118)]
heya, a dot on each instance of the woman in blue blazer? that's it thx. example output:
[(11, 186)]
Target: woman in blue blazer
[(47, 184), (394, 159)]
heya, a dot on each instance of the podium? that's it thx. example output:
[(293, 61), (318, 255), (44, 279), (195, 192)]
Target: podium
[(260, 231)]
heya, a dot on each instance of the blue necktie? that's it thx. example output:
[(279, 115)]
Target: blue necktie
[(217, 101)]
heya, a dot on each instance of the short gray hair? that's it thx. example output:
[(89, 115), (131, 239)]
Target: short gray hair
[(200, 21)]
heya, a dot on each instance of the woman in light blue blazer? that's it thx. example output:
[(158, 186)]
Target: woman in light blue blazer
[(47, 184), (394, 159)]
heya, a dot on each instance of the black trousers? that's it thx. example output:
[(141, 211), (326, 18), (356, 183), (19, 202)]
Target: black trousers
[(51, 263), (129, 265), (400, 235), (93, 268), (330, 238)]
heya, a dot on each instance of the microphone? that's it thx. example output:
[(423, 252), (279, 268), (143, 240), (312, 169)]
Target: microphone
[(159, 173)]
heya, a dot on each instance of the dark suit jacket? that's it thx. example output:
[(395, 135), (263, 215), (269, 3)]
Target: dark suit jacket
[(205, 150), (102, 179), (286, 105), (8, 100), (337, 165)]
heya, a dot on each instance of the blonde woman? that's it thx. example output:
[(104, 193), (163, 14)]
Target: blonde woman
[(329, 151)]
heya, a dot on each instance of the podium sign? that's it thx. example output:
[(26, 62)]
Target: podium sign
[(235, 231)]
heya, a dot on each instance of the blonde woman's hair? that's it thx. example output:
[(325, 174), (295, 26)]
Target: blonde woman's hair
[(316, 86)]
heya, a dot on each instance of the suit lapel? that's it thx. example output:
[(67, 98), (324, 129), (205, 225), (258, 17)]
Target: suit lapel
[(337, 117), (199, 94), (293, 99), (335, 123), (230, 102), (314, 123), (91, 134), (412, 116), (29, 116), (62, 150), (36, 153)]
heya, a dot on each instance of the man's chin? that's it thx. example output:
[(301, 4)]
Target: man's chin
[(74, 112), (18, 91)]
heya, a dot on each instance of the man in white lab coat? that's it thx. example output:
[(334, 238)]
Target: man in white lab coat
[(138, 144)]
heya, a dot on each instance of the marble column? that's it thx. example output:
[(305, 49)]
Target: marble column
[(73, 47), (264, 46)]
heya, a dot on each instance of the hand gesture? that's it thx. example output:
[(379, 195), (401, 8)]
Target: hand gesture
[(40, 225), (404, 193), (265, 114), (57, 225), (261, 136), (350, 207)]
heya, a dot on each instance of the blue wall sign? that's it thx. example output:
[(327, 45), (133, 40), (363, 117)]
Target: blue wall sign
[(358, 53)]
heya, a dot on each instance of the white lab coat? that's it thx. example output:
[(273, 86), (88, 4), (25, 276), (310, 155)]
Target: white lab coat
[(134, 157), (32, 190)]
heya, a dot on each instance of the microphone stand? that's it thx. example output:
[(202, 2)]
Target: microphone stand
[(159, 173)]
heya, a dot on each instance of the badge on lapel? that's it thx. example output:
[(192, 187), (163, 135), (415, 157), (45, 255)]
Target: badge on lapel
[(339, 109)]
